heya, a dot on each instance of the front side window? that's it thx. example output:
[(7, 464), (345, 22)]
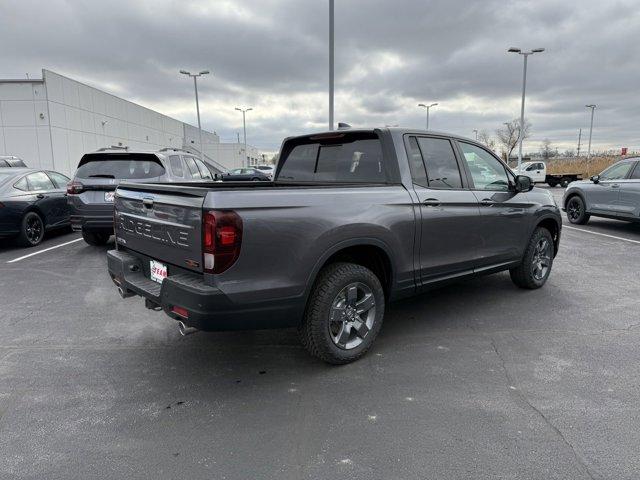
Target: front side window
[(486, 171), (39, 181), (616, 172), (441, 164), (204, 171), (58, 179), (636, 172)]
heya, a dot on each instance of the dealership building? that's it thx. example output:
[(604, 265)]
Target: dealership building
[(51, 122)]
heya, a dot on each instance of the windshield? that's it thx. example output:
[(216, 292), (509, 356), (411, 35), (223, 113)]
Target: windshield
[(122, 167)]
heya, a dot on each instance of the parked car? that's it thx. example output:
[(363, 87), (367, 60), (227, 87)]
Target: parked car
[(11, 161), (615, 193), (31, 203), (90, 194), (268, 170), (353, 220), (244, 174), (537, 171)]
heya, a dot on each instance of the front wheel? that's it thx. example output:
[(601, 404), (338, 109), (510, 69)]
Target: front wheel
[(31, 230), (344, 313), (537, 261), (95, 238), (576, 211)]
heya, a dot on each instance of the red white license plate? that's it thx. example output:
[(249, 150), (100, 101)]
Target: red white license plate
[(158, 271), (108, 196)]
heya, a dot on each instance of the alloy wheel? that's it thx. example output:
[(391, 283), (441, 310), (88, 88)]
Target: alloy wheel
[(574, 210), (352, 315), (34, 229), (541, 259)]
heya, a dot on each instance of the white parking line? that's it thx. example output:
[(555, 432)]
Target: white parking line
[(44, 250), (602, 234)]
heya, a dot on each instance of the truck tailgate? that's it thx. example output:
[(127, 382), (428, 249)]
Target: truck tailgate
[(163, 222)]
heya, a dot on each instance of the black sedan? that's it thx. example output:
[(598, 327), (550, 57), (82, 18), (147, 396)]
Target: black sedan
[(31, 202), (243, 174)]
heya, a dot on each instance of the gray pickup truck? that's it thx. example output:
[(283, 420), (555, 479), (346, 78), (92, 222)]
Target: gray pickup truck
[(353, 219)]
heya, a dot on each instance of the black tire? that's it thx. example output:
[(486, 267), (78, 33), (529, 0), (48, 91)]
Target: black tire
[(31, 230), (576, 210), (564, 183), (530, 274), (322, 318), (552, 183), (95, 238), (256, 179)]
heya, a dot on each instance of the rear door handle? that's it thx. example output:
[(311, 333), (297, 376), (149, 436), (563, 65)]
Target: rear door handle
[(487, 202), (431, 202), (615, 185), (39, 195)]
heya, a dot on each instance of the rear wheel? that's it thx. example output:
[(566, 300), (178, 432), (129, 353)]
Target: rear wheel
[(552, 183), (31, 230), (564, 183), (537, 261), (255, 179), (95, 238), (344, 313), (576, 211)]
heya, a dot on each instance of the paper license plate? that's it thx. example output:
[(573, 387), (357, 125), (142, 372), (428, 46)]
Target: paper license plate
[(158, 271)]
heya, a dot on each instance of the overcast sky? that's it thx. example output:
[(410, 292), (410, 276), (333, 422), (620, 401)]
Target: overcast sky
[(272, 55)]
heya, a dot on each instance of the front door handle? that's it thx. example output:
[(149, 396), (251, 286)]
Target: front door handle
[(40, 196), (431, 202), (487, 202)]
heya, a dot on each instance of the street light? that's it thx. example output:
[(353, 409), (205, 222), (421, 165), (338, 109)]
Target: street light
[(244, 128), (592, 107), (195, 85), (475, 130), (428, 107), (331, 61), (524, 85)]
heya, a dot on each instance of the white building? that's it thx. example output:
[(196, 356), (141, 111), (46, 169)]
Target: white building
[(51, 122)]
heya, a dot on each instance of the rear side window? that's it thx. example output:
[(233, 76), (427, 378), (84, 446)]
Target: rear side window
[(192, 167), (345, 159), (39, 181), (120, 166), (58, 179), (418, 173), (176, 165), (4, 163), (442, 167), (21, 184)]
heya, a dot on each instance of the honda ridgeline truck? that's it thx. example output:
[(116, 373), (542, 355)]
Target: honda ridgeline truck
[(353, 219)]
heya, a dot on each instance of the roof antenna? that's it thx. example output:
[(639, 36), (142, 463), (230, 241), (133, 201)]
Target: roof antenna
[(343, 126)]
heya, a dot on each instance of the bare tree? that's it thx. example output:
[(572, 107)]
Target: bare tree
[(546, 150), (510, 134), (484, 138)]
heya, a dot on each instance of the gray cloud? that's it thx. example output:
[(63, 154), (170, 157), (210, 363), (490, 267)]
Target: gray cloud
[(272, 55)]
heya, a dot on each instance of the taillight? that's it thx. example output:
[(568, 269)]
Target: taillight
[(74, 188), (221, 240)]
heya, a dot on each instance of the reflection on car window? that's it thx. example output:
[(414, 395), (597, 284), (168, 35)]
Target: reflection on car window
[(486, 171), (193, 168), (176, 165), (636, 172), (59, 179), (418, 173), (39, 181), (22, 184), (616, 172)]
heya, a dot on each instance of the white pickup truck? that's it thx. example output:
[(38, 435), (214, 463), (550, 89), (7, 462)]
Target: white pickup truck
[(537, 171)]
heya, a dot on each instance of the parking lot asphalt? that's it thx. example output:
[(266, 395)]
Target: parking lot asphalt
[(476, 380)]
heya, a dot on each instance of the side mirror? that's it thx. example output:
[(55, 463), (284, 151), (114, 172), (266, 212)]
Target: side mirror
[(523, 183), (595, 178)]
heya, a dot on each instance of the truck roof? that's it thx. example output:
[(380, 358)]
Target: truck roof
[(394, 130)]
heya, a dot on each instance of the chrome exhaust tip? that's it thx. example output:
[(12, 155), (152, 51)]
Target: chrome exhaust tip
[(184, 330)]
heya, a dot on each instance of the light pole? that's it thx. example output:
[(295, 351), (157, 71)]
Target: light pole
[(524, 86), (475, 130), (428, 107), (195, 85), (331, 61), (579, 140), (244, 128), (592, 107)]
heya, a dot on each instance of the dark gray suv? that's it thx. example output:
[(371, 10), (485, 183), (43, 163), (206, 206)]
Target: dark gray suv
[(615, 193), (90, 193)]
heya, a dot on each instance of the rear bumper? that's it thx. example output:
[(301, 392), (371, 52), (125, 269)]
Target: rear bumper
[(92, 223), (209, 308)]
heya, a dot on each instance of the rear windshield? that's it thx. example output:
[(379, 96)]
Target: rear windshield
[(120, 166), (340, 158)]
